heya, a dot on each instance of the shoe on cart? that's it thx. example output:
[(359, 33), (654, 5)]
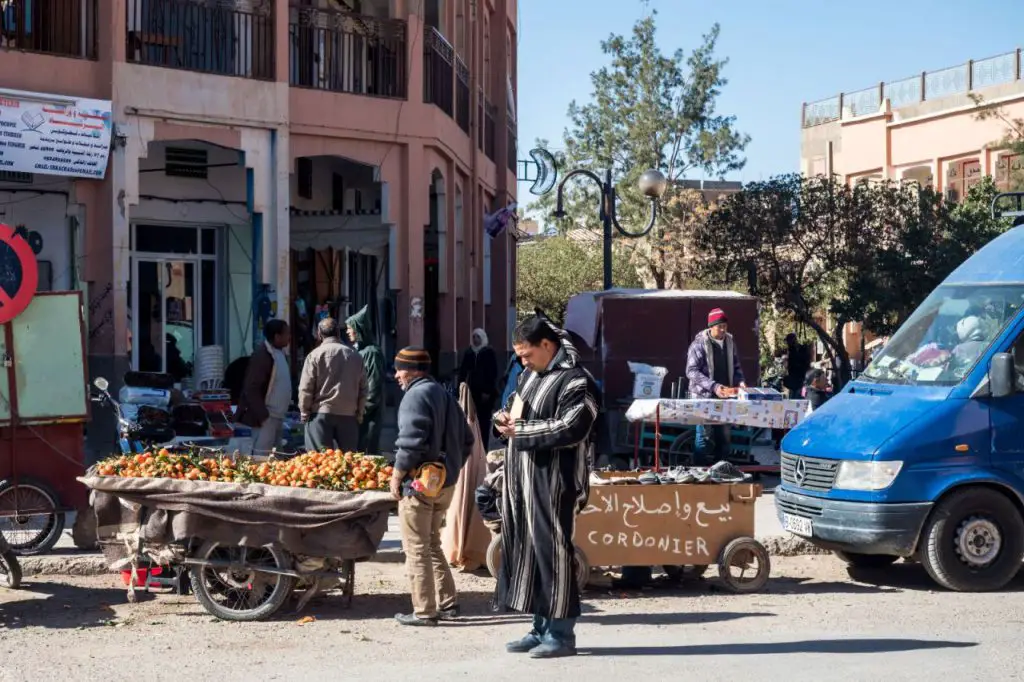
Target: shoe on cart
[(727, 472), (413, 619), (648, 478)]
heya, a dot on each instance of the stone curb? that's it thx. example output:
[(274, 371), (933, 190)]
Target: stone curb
[(56, 564), (94, 564)]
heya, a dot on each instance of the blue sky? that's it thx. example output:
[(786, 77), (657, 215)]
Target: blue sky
[(781, 53)]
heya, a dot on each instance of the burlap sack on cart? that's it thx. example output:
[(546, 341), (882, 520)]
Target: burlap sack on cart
[(318, 523)]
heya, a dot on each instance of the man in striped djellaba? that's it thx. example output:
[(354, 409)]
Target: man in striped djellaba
[(548, 423)]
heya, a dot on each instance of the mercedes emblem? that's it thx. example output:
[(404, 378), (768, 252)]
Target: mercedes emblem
[(800, 472)]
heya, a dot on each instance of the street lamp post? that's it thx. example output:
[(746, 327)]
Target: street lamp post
[(652, 183)]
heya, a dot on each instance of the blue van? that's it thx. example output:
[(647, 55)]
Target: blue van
[(922, 456)]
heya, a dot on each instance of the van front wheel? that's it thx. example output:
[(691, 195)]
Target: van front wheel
[(973, 541)]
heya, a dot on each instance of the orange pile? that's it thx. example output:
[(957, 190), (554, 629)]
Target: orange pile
[(327, 470)]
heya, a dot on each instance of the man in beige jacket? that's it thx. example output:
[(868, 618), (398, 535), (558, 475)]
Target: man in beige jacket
[(332, 392)]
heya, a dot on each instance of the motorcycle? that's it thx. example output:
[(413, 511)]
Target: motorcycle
[(145, 428), (10, 569)]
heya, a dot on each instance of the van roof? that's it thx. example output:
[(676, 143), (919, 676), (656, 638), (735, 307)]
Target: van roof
[(1001, 261)]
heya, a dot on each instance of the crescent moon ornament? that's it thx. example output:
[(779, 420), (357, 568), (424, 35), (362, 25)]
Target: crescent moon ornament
[(547, 171)]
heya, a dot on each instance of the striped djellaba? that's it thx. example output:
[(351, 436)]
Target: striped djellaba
[(547, 469)]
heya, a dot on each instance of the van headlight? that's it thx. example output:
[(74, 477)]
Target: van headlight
[(866, 475)]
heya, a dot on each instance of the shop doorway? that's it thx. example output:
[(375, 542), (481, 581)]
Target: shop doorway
[(173, 297)]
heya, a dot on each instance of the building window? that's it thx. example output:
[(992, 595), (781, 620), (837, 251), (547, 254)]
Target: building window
[(338, 192), (185, 162), (304, 177), (961, 177), (1009, 175)]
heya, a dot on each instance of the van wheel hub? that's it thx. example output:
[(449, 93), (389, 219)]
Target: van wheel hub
[(978, 541)]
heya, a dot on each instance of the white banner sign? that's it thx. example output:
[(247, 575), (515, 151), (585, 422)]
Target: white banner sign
[(54, 137)]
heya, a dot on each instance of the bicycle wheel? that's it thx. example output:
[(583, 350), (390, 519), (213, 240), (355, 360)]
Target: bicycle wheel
[(29, 518)]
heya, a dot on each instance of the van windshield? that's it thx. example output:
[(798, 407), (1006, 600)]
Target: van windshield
[(943, 339)]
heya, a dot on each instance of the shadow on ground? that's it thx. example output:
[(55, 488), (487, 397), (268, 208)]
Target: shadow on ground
[(824, 646), (911, 576), (59, 606)]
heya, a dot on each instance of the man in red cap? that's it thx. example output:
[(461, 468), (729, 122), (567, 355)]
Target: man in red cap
[(713, 369)]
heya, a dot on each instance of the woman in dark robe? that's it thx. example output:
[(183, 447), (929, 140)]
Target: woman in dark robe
[(479, 370)]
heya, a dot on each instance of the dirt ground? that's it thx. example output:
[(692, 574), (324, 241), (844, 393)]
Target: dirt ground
[(812, 621)]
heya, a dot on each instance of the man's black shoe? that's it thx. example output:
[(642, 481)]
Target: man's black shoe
[(449, 614)]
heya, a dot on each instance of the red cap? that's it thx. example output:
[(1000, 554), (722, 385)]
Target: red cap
[(716, 316)]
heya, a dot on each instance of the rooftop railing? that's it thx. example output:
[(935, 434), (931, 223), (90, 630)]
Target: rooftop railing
[(924, 87)]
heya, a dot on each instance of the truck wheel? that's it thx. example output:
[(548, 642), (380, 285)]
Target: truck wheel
[(858, 560), (973, 541)]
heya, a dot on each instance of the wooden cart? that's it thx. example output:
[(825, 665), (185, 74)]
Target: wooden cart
[(683, 527)]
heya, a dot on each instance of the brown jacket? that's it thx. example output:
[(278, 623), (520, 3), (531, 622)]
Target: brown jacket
[(252, 403), (333, 381)]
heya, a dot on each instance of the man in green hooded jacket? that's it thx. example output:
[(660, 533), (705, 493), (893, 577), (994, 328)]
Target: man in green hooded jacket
[(361, 333)]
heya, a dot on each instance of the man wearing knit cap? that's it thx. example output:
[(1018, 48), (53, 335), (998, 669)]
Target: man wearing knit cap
[(713, 369), (432, 434)]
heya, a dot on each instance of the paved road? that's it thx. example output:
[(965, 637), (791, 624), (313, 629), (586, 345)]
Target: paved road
[(813, 622)]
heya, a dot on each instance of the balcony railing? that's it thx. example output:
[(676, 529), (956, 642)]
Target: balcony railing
[(924, 87), (462, 94), (346, 52), (203, 35), (438, 62), (66, 28), (511, 140)]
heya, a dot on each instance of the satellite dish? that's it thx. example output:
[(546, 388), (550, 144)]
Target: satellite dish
[(547, 171)]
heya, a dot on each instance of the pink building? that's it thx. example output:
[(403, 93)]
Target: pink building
[(252, 158), (922, 128)]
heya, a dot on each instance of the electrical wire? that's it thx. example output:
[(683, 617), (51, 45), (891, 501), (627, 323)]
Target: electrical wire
[(401, 104)]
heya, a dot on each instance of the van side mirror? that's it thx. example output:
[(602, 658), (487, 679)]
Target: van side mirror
[(1002, 375)]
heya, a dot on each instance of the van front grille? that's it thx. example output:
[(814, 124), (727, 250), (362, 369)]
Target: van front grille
[(809, 473)]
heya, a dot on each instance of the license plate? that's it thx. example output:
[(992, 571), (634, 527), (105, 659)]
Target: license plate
[(797, 525)]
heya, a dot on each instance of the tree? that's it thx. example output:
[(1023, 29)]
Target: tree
[(868, 252), (553, 269), (1012, 139), (649, 110), (795, 243), (919, 239)]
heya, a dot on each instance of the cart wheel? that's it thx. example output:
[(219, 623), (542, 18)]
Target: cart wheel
[(29, 519), (493, 560), (10, 570), (582, 569), (685, 573), (241, 592), (681, 451), (744, 555)]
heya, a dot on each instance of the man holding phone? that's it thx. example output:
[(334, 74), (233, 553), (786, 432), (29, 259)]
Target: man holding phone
[(713, 369)]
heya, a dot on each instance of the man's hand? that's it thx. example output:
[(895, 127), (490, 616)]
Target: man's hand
[(304, 417), (502, 419), (507, 429), (396, 487), (721, 391)]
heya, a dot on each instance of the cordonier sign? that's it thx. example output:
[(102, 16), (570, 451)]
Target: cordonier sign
[(54, 135), (19, 276)]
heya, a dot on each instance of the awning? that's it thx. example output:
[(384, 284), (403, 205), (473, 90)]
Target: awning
[(329, 229)]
